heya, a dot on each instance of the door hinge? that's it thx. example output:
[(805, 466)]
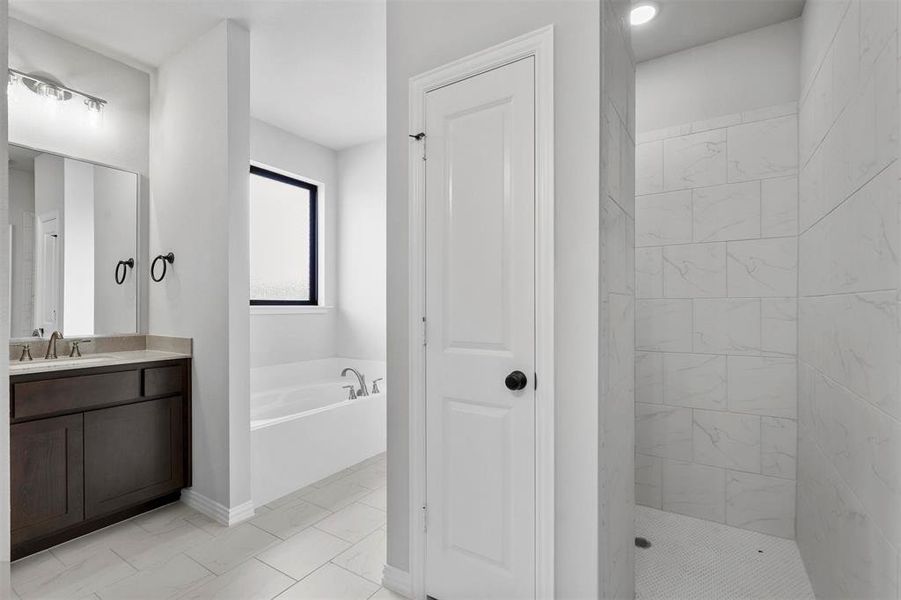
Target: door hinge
[(419, 137), (425, 332), (425, 517), (535, 380)]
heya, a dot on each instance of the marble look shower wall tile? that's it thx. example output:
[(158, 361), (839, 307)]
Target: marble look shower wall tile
[(843, 547), (649, 272), (779, 207), (770, 112), (863, 445), (617, 246), (694, 160), (763, 268), (869, 124), (721, 439), (732, 265), (779, 325), (761, 503), (726, 212), (878, 23), (663, 431), (648, 480), (855, 339), (727, 326), (694, 490), (715, 123), (694, 380), (856, 247), (778, 447), (649, 377), (663, 133), (845, 61), (763, 386), (649, 168), (663, 325), (663, 219), (763, 149), (694, 271)]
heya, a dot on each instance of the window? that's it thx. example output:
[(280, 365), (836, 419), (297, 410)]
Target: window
[(283, 246)]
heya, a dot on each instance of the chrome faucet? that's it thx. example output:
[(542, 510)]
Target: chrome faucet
[(360, 379), (51, 345)]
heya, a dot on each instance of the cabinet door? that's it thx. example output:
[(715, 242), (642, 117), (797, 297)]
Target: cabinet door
[(46, 476), (132, 454)]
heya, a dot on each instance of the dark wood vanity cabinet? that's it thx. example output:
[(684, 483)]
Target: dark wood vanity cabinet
[(95, 446)]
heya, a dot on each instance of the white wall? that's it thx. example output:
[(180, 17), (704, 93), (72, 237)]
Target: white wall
[(425, 35), (122, 138), (49, 192), (78, 248), (275, 337), (745, 72), (4, 308), (21, 218), (115, 225), (849, 421), (198, 210), (361, 252)]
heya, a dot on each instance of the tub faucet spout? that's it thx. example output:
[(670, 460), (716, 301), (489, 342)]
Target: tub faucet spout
[(360, 379)]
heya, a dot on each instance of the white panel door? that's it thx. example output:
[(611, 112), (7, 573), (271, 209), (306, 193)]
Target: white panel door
[(480, 309)]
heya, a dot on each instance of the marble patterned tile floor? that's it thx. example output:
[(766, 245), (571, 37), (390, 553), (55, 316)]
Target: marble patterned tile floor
[(325, 541), (701, 560)]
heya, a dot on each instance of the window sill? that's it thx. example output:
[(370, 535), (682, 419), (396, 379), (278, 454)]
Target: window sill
[(289, 310)]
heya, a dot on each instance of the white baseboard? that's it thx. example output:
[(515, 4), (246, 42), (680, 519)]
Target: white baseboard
[(219, 513), (397, 581)]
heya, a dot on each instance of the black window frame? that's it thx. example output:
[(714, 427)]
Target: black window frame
[(313, 190)]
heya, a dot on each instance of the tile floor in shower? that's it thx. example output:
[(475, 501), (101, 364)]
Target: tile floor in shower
[(701, 560), (324, 541)]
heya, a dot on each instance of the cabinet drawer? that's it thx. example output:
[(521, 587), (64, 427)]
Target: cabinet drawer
[(35, 398), (159, 381)]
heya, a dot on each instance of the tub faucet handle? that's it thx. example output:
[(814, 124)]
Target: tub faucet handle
[(351, 393), (375, 385)]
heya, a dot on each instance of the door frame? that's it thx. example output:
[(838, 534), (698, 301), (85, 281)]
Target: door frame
[(540, 45)]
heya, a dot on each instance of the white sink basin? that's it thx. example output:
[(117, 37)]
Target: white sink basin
[(56, 363)]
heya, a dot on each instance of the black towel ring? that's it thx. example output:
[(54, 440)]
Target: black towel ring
[(166, 258), (125, 265)]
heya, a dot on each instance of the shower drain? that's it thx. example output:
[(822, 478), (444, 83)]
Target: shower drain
[(642, 542)]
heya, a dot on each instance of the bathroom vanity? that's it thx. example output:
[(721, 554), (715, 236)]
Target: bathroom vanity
[(95, 442)]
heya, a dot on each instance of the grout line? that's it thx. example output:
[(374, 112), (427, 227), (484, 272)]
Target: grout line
[(274, 568)]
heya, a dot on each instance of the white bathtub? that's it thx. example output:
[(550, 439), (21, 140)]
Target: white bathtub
[(304, 427)]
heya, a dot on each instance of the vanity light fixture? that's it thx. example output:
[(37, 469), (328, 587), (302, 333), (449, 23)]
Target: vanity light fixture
[(51, 89), (643, 12)]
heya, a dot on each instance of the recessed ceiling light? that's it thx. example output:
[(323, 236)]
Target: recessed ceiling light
[(643, 13)]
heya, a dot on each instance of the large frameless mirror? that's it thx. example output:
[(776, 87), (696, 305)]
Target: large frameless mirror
[(73, 246)]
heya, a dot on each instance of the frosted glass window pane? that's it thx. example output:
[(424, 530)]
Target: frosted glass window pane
[(279, 241)]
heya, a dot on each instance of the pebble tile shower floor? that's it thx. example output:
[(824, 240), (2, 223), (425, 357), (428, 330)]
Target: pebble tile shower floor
[(324, 541), (692, 559)]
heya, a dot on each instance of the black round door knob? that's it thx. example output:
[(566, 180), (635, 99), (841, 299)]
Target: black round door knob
[(516, 381)]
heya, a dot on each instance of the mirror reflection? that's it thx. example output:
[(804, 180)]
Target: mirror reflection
[(73, 244)]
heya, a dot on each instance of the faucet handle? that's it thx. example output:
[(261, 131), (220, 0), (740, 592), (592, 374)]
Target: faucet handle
[(375, 385), (76, 351), (26, 352), (351, 394)]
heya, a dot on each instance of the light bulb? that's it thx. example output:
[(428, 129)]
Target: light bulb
[(643, 13)]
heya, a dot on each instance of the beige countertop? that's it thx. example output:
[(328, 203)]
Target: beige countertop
[(107, 359)]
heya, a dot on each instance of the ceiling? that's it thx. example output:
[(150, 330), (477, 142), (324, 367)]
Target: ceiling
[(684, 24), (317, 66)]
